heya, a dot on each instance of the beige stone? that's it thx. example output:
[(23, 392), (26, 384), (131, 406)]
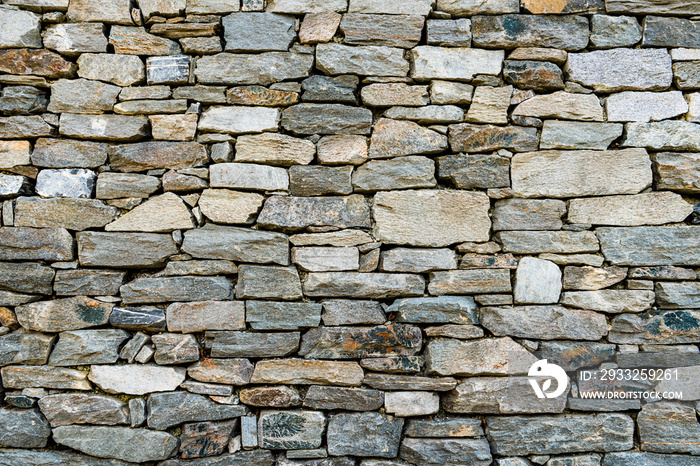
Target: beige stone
[(390, 94), (319, 27), (656, 208), (562, 104), (14, 153), (490, 105), (174, 127), (274, 149), (230, 207), (166, 212), (342, 150)]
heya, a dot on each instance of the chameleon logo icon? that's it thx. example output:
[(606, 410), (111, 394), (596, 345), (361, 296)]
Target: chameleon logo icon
[(541, 369)]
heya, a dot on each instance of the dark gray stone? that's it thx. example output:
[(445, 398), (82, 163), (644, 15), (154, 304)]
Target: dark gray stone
[(59, 315), (237, 244), (91, 282), (264, 315), (330, 89), (242, 458), (264, 69), (446, 451), (349, 399), (23, 428), (160, 290), (172, 69), (679, 295), (133, 346), (667, 427), (399, 173), (83, 408), (112, 185), (633, 458), (296, 213), (248, 344), (22, 100), (364, 434), (156, 154), (169, 409), (149, 319), (450, 32), (26, 277), (271, 282), (573, 355), (475, 171), (640, 246), (204, 439), (83, 347), (671, 32), (258, 32), (124, 250), (105, 127), (361, 342), (51, 244), (511, 31), (326, 119), (21, 347)]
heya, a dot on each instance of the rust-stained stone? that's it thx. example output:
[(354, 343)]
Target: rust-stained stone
[(361, 342), (526, 74), (153, 155), (303, 372), (36, 62), (466, 137), (279, 396), (226, 371), (203, 439), (260, 96), (136, 41)]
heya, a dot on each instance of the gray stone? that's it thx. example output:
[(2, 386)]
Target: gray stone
[(645, 106), (136, 41), (677, 172), (510, 31), (682, 7), (83, 347), (361, 342), (168, 409), (350, 312), (608, 70), (20, 377), (687, 75), (491, 356), (560, 173), (470, 138), (82, 96), (364, 434), (163, 213), (449, 33), (389, 94), (639, 246), (330, 89), (295, 213), (363, 285), (264, 315), (305, 372), (226, 371), (272, 397), (408, 382), (592, 278), (545, 322), (444, 427), (258, 32), (671, 32), (460, 64), (242, 458), (274, 149), (23, 428), (404, 217), (63, 314), (291, 430), (19, 29), (17, 127), (470, 7), (131, 350), (667, 272), (122, 70), (431, 114), (248, 176), (174, 69), (578, 135), (443, 309), (632, 458), (537, 281), (417, 260), (317, 180), (22, 100), (72, 183), (206, 315), (239, 120), (446, 451), (19, 457), (172, 348), (532, 74), (667, 427), (204, 439), (414, 403), (120, 128), (69, 213), (447, 92), (670, 327), (663, 135), (199, 267), (271, 282), (563, 105), (573, 355), (679, 295), (392, 30), (469, 281), (400, 173), (334, 59), (26, 277), (655, 208), (14, 153), (337, 398), (263, 69), (82, 408), (537, 242), (327, 119), (13, 186), (160, 290), (528, 214), (22, 347), (413, 138), (244, 344), (128, 250), (226, 206), (475, 171), (614, 31), (125, 185), (568, 433), (117, 442), (215, 242)]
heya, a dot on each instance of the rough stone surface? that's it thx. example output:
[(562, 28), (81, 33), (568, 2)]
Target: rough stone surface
[(349, 434), (550, 322), (577, 135), (537, 281), (136, 379), (640, 246), (642, 209), (510, 31), (459, 64)]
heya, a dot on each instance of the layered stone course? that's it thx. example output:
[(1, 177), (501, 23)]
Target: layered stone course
[(339, 232)]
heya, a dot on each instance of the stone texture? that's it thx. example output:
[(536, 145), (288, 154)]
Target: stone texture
[(558, 242), (537, 281), (138, 379), (414, 139), (548, 322), (159, 290), (303, 372), (510, 31), (679, 295), (642, 209), (401, 173), (319, 27), (411, 403), (25, 30), (460, 64), (668, 428), (469, 281), (249, 176), (72, 214), (163, 213), (526, 74), (645, 106), (364, 434), (639, 246), (344, 343), (271, 397), (255, 281), (363, 285), (79, 408), (136, 41), (205, 315), (318, 180), (389, 30), (212, 242), (168, 409), (25, 348), (63, 314), (118, 128), (467, 137), (130, 250), (450, 33), (372, 60), (291, 430), (122, 70), (351, 399), (228, 371), (35, 62), (242, 344), (326, 119), (527, 214), (20, 377), (663, 135), (417, 260), (592, 278), (670, 327), (274, 149), (258, 32), (263, 69), (237, 120), (23, 428), (563, 105), (491, 356), (610, 301), (263, 315), (677, 172), (82, 347), (350, 312), (385, 95), (295, 213), (577, 135)]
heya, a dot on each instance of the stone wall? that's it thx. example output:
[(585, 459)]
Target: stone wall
[(339, 232)]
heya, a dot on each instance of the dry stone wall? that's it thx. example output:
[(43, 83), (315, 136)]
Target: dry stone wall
[(340, 232)]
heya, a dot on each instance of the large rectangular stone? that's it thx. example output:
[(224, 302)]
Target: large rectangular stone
[(120, 128), (663, 135), (580, 173), (484, 7), (249, 344), (488, 356), (248, 176), (391, 30), (470, 281), (161, 290), (239, 120), (66, 153), (671, 32), (303, 372), (371, 60), (264, 69), (656, 208), (544, 322), (558, 242), (459, 64), (679, 295), (388, 7), (50, 244), (361, 342), (363, 285), (528, 214), (266, 315), (153, 155), (449, 451), (511, 31), (466, 137), (327, 119), (237, 244), (639, 246), (126, 250), (663, 7), (664, 328)]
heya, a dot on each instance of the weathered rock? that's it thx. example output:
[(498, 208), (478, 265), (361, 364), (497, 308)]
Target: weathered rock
[(243, 344), (431, 114), (639, 246), (122, 70), (204, 439), (667, 272), (460, 64), (677, 171), (338, 150), (400, 173), (271, 397), (14, 153), (319, 27), (663, 135), (557, 173), (274, 149), (227, 371), (22, 347), (163, 213), (389, 94), (303, 372), (682, 7), (18, 127), (413, 7), (470, 7), (562, 104), (72, 214), (264, 315), (258, 95), (118, 185), (35, 62), (258, 32), (391, 30), (128, 250), (172, 348), (493, 356), (412, 403), (526, 74), (577, 135), (22, 100), (526, 214), (160, 290), (679, 295), (149, 319), (226, 206), (326, 119), (168, 70), (510, 31), (63, 314), (273, 282), (417, 260), (248, 176), (83, 347), (444, 427), (670, 327), (12, 186), (645, 106), (317, 180), (23, 428), (82, 96), (450, 309), (608, 70), (359, 342), (592, 278), (466, 137), (79, 408), (19, 29), (238, 120), (364, 434), (20, 377), (294, 213), (537, 281), (119, 128), (523, 435), (445, 451), (469, 281), (351, 399), (348, 312), (263, 69), (200, 267), (291, 430), (687, 75), (206, 315), (117, 442), (371, 60), (26, 277), (137, 379), (668, 428), (449, 33), (214, 242), (413, 139), (671, 32), (610, 301), (16, 457), (534, 242), (363, 285), (408, 382), (632, 458), (575, 355), (546, 322), (642, 209), (136, 41), (330, 89)]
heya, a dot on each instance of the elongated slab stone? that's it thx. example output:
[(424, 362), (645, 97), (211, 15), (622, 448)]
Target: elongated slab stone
[(511, 31), (564, 105), (168, 409), (52, 244), (350, 399), (291, 430), (363, 285), (83, 408), (664, 7), (459, 64), (303, 372), (640, 246), (264, 69), (655, 208), (491, 356), (20, 377), (295, 213), (63, 314), (120, 128), (610, 301), (545, 322), (668, 328), (370, 60), (69, 213), (265, 315), (82, 347), (160, 290), (663, 135), (129, 250), (361, 342), (36, 62), (21, 347), (138, 379), (577, 135), (469, 281), (245, 344), (237, 244), (580, 173), (327, 119), (154, 155), (223, 371), (677, 171), (466, 137)]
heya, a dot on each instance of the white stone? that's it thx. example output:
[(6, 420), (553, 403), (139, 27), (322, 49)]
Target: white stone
[(239, 120), (14, 153), (136, 379), (209, 7), (412, 403), (306, 6), (248, 176), (563, 105), (685, 54), (460, 64), (663, 135), (230, 207), (342, 149), (655, 208), (558, 134), (537, 281), (70, 182), (645, 106), (163, 213)]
